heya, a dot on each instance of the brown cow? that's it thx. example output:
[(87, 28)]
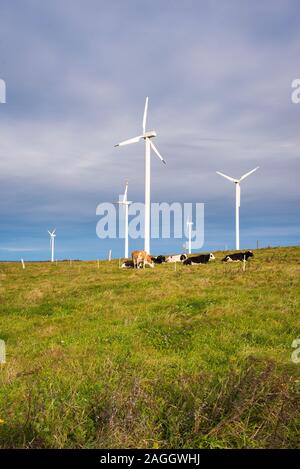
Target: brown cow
[(141, 257)]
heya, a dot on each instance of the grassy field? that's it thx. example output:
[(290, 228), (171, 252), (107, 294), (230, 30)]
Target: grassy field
[(197, 358)]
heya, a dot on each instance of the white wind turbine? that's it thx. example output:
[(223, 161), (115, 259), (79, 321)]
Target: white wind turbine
[(147, 136), (189, 225), (125, 204), (52, 238), (237, 203)]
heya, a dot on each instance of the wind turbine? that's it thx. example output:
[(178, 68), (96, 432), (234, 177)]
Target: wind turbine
[(237, 202), (189, 225), (147, 136), (125, 204), (52, 237)]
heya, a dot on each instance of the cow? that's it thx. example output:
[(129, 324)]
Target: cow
[(177, 258), (159, 259), (201, 259), (127, 265), (238, 256), (141, 257)]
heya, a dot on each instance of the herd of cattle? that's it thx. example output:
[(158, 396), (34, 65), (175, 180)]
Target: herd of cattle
[(142, 259)]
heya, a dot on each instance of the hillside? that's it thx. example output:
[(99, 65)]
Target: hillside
[(198, 357)]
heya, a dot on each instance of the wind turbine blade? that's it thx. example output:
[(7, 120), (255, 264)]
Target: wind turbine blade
[(248, 174), (145, 115), (129, 141), (49, 233), (125, 193), (156, 151), (225, 176)]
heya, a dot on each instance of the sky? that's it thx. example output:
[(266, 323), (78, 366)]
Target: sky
[(218, 76)]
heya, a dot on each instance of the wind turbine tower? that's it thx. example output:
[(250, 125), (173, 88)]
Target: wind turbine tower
[(52, 240), (189, 225), (147, 137), (125, 204), (237, 202)]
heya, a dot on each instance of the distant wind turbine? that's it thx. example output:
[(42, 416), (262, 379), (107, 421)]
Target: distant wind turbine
[(237, 202), (189, 225), (52, 239), (125, 204), (147, 136)]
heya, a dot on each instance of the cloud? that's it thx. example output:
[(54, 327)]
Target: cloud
[(219, 80)]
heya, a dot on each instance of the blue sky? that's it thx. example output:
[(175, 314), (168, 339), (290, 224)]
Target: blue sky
[(218, 75)]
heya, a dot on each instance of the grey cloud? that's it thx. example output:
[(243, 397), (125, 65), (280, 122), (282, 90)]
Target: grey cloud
[(218, 76)]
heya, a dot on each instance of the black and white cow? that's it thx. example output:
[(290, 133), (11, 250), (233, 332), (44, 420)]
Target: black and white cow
[(127, 265), (159, 259), (238, 256), (201, 259), (177, 258)]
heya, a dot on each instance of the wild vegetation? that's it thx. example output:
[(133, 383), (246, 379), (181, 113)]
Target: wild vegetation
[(199, 357)]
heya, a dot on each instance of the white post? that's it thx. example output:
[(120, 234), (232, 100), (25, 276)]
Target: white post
[(109, 255), (23, 263), (147, 196), (244, 264), (126, 231), (237, 216), (98, 264)]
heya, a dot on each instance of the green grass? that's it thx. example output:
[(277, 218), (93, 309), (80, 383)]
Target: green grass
[(197, 358)]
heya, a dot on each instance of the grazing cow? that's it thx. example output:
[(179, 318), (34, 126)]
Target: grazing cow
[(159, 259), (201, 259), (238, 256), (127, 265), (141, 257), (177, 258)]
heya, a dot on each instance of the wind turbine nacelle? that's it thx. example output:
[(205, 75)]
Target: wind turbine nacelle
[(150, 134)]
